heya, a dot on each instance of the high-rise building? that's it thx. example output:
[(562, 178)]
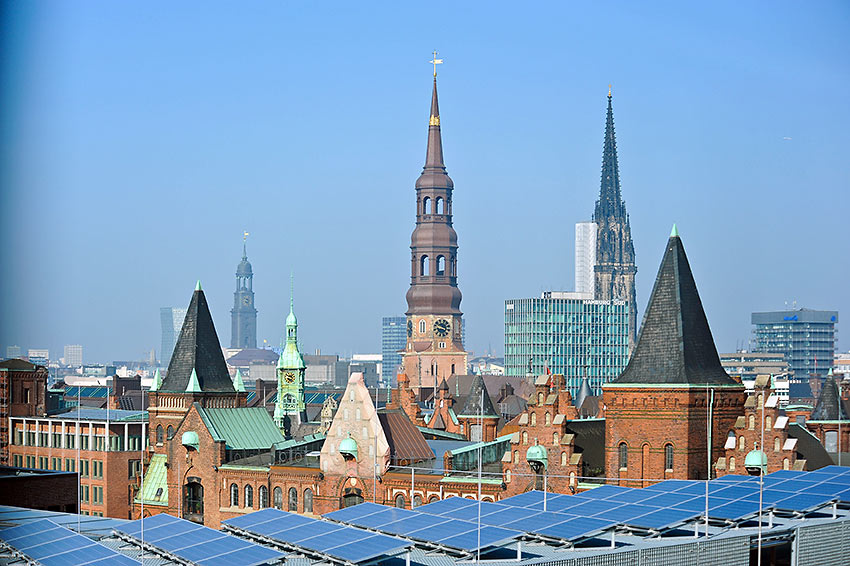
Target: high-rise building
[(615, 254), (172, 321), (567, 334), (13, 352), (434, 348), (393, 341), (39, 356), (243, 316), (73, 355), (805, 336), (585, 258)]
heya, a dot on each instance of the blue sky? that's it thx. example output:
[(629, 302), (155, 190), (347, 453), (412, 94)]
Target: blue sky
[(140, 138)]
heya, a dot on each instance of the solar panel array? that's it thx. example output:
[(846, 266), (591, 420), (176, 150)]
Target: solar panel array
[(197, 543), (322, 537), (53, 545)]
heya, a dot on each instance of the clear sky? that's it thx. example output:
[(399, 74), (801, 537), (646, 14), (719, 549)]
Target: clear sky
[(139, 139)]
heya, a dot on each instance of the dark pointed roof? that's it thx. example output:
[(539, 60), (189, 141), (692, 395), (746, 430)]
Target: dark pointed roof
[(675, 345), (443, 385), (434, 173), (584, 391), (198, 349), (610, 202), (244, 267), (829, 406), (472, 407)]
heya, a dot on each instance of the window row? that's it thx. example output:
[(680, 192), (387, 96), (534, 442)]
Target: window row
[(425, 266), (438, 208), (623, 456), (95, 442), (263, 494)]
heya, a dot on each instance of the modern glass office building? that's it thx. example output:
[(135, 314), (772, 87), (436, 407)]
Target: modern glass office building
[(172, 322), (393, 339), (569, 334), (806, 337)]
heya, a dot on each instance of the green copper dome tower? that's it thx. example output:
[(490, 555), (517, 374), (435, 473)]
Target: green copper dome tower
[(290, 376)]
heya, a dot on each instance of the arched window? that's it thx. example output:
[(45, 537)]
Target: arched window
[(421, 327), (441, 265), (768, 422), (169, 433), (524, 437), (776, 444), (234, 495), (308, 500), (623, 455), (426, 205), (193, 502), (668, 457), (786, 465), (516, 456), (249, 497), (732, 464), (556, 437), (417, 500), (533, 419), (278, 498), (548, 419), (742, 443), (159, 434), (572, 479), (752, 422), (423, 265), (441, 205), (540, 398), (399, 501), (564, 458), (264, 496), (292, 503), (507, 476)]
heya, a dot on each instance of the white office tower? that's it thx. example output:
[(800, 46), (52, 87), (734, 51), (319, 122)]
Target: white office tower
[(585, 257)]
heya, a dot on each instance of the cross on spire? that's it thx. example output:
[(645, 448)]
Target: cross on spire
[(435, 62)]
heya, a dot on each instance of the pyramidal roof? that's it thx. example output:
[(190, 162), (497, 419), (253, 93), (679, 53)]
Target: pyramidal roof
[(829, 406), (675, 345), (198, 350), (473, 406)]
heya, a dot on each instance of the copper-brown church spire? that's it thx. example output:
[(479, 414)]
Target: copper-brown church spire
[(435, 344)]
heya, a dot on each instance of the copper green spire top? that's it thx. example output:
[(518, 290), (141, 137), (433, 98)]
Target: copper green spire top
[(193, 386), (674, 233), (157, 381), (198, 286), (238, 384)]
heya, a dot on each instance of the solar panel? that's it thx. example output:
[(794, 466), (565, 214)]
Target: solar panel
[(734, 510), (539, 521), (590, 508), (633, 496), (441, 507), (388, 515), (196, 543), (524, 499), (473, 540), (410, 525), (360, 510), (367, 549), (471, 512), (670, 485), (804, 502), (663, 518), (625, 513), (667, 499), (737, 492), (605, 491), (255, 518), (581, 527), (54, 545)]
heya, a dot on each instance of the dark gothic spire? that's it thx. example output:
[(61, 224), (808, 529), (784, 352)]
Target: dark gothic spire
[(610, 202), (830, 406), (198, 351), (473, 406), (434, 173), (675, 345)]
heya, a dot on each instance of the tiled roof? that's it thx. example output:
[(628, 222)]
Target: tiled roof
[(244, 428), (405, 440)]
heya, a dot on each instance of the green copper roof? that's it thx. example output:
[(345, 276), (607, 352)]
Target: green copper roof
[(242, 428), (238, 383), (193, 386), (290, 357), (156, 477), (537, 453), (157, 381), (348, 446), (190, 439), (756, 459), (674, 233)]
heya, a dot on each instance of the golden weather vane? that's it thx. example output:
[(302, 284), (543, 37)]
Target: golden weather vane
[(245, 235), (435, 62)]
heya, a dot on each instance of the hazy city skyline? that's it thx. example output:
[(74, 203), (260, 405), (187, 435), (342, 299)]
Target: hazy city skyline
[(138, 147)]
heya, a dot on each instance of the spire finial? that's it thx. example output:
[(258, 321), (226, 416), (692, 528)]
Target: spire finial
[(198, 286), (291, 292), (435, 62), (245, 235), (609, 90), (674, 233)]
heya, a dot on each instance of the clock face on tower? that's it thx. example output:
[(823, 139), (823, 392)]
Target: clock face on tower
[(442, 327), (409, 328), (289, 376), (246, 301)]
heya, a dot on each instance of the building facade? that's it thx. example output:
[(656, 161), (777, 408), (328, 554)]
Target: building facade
[(806, 337), (73, 355), (585, 257), (434, 348), (171, 319), (23, 393), (563, 334), (393, 341), (243, 315), (615, 253)]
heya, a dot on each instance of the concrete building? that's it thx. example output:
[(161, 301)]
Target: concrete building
[(566, 334), (73, 355), (747, 365), (13, 352), (39, 356), (171, 319), (585, 257), (805, 336), (393, 341)]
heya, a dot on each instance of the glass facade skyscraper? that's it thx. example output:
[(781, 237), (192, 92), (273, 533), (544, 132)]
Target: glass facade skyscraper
[(569, 335), (172, 322), (393, 339), (806, 337)]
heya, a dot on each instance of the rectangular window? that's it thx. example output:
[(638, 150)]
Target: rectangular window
[(84, 442), (134, 468), (97, 468), (70, 465), (19, 437), (98, 443), (84, 468), (84, 493), (69, 441), (42, 462), (97, 495), (57, 440), (18, 461)]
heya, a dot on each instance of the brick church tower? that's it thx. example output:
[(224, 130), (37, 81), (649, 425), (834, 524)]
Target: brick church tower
[(657, 411), (614, 272), (243, 315), (434, 348)]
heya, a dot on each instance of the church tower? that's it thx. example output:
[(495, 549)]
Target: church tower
[(434, 348), (614, 273), (290, 408), (243, 316)]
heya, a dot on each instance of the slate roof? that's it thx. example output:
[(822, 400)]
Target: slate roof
[(405, 440), (243, 428), (478, 401), (830, 406), (18, 364), (675, 345), (809, 447), (198, 348)]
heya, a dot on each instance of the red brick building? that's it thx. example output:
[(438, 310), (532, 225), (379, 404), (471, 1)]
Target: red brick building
[(23, 393)]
